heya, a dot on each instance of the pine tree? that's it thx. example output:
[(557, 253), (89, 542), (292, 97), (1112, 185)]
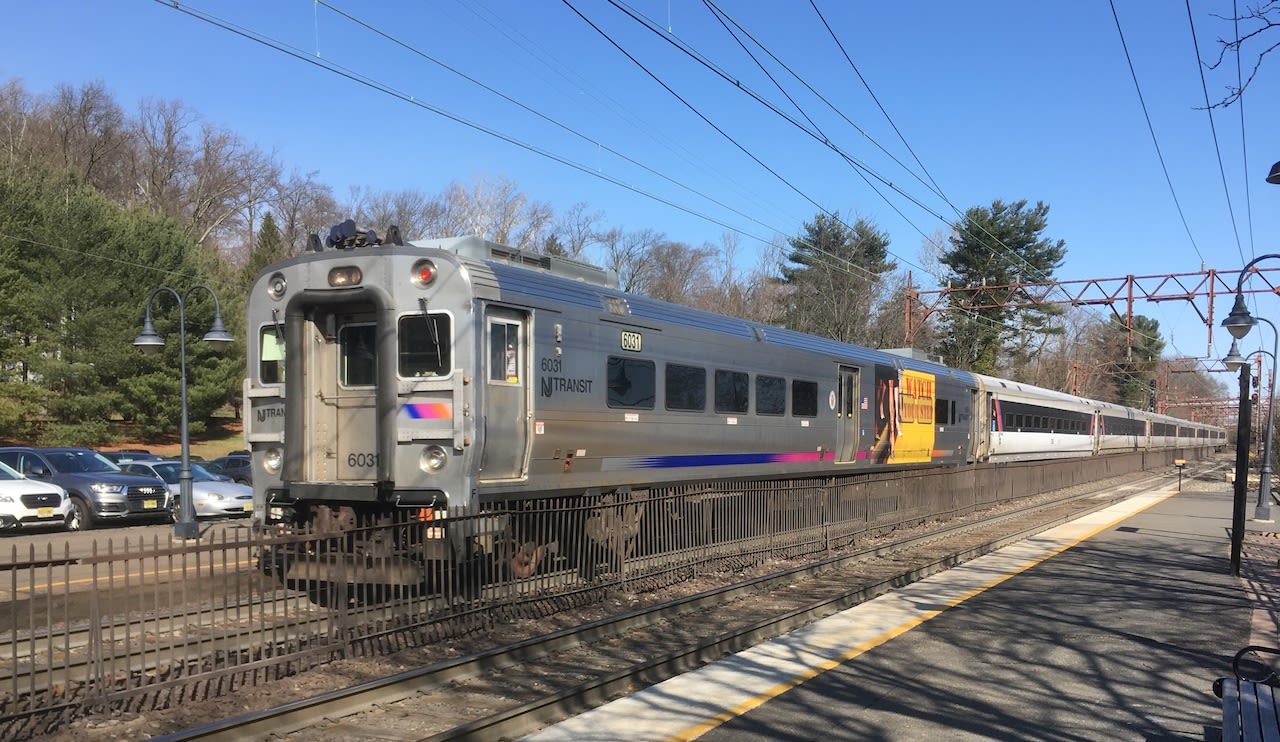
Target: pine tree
[(833, 280), (998, 247)]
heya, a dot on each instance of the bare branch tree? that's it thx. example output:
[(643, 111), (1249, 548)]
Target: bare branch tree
[(303, 206), (678, 271), (414, 212), (1261, 20), (576, 229), (230, 179), (89, 131), (162, 155), (495, 209), (17, 120), (630, 255)]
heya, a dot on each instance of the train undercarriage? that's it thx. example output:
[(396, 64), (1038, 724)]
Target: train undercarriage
[(344, 554)]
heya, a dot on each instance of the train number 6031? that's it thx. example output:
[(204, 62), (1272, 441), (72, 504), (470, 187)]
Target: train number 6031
[(362, 460)]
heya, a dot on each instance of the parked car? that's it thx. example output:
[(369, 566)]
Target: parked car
[(27, 502), (211, 494), (236, 467), (117, 457), (100, 493)]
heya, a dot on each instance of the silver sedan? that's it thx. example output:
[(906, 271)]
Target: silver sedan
[(213, 495)]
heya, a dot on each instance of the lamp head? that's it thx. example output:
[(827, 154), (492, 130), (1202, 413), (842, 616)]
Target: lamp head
[(1274, 177), (217, 337), (148, 341), (1239, 322), (1234, 361)]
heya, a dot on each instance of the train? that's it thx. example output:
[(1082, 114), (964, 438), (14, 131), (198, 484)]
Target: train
[(433, 381)]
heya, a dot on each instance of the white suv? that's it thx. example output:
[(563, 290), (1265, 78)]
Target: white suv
[(28, 502)]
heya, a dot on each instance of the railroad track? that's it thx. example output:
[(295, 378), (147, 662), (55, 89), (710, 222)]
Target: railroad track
[(513, 690)]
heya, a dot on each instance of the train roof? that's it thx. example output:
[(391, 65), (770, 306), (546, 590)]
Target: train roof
[(562, 280), (540, 280)]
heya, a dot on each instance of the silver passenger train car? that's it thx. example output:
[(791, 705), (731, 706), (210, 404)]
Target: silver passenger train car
[(393, 381)]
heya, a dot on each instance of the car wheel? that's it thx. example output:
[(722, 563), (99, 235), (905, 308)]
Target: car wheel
[(80, 518)]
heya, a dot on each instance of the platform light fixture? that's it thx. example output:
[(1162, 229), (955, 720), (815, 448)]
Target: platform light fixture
[(148, 341), (1233, 362), (1239, 322)]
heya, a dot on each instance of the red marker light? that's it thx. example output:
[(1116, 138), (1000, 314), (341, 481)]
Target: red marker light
[(424, 272)]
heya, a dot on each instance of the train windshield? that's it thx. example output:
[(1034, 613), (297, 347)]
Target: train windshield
[(271, 359), (425, 345)]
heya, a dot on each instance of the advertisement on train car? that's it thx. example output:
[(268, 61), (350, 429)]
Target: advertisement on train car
[(905, 404)]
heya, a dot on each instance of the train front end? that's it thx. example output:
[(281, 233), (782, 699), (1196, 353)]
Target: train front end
[(357, 405)]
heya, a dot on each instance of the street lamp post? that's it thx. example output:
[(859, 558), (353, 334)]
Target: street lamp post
[(185, 527), (1241, 487), (1238, 323), (1233, 361)]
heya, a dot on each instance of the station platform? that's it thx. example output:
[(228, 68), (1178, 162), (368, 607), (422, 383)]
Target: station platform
[(1112, 627)]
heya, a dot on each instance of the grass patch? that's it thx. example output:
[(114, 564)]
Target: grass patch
[(221, 436)]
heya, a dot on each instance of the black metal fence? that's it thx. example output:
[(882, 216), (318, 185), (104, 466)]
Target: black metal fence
[(106, 620)]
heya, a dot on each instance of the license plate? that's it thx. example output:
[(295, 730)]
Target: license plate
[(248, 506), (150, 504), (44, 512)]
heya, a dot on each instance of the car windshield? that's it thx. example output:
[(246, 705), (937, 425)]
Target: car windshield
[(6, 473), (80, 461), (169, 470)]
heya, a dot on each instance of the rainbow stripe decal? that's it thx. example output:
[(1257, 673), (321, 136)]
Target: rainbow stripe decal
[(713, 459), (429, 410)]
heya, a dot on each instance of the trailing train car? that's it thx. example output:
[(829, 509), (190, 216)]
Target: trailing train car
[(1029, 423), (391, 381)]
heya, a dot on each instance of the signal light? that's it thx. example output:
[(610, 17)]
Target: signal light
[(345, 276), (424, 272)]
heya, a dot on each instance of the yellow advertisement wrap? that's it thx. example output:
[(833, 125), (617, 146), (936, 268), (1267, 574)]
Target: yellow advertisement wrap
[(909, 404)]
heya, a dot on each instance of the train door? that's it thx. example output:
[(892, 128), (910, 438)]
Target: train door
[(506, 406), (341, 385), (980, 432), (847, 418)]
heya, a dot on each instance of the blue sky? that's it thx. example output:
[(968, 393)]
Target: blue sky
[(998, 99)]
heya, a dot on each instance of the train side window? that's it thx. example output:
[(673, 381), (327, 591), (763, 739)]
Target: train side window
[(771, 395), (357, 361), (686, 388), (631, 383), (504, 352), (425, 345), (804, 398), (270, 357), (732, 391), (944, 411)]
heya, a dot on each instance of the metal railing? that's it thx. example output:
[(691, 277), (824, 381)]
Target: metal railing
[(121, 622)]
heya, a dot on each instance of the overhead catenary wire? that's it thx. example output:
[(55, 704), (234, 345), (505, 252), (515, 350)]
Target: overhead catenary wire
[(1151, 129), (722, 17), (337, 69), (1244, 149), (317, 60), (1213, 129)]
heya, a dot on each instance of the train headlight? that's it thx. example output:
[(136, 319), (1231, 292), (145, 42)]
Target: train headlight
[(433, 459), (347, 275), (276, 286), (424, 272), (272, 460)]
